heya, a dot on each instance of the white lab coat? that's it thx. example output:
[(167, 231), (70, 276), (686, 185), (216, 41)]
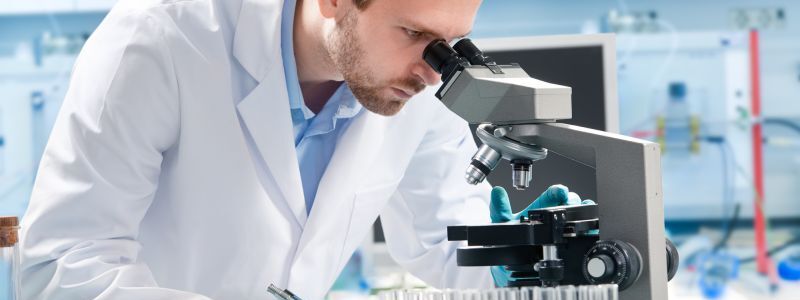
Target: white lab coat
[(171, 171)]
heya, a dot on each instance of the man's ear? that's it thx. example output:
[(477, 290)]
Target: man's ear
[(329, 8)]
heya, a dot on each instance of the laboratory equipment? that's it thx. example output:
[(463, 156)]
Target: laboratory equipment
[(565, 292), (678, 130), (680, 90), (9, 258), (789, 268), (553, 58), (517, 115), (716, 271)]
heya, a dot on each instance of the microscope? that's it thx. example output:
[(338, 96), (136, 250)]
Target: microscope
[(620, 240)]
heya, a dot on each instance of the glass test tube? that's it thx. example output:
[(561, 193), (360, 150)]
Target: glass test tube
[(566, 292)]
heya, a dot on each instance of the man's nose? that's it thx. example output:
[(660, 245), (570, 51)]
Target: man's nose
[(426, 73)]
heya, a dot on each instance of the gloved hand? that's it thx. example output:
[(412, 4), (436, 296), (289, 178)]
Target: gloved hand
[(500, 211)]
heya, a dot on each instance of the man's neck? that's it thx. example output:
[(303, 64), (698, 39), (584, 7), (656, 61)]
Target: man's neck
[(316, 73), (317, 94)]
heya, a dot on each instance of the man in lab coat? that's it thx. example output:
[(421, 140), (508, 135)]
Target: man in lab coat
[(208, 148)]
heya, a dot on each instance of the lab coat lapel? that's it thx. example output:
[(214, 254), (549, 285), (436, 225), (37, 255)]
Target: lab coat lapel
[(257, 39), (323, 238), (265, 110)]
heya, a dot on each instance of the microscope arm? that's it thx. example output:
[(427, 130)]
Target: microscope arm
[(628, 174)]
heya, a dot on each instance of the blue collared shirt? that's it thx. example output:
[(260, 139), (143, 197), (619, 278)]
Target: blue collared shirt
[(315, 135)]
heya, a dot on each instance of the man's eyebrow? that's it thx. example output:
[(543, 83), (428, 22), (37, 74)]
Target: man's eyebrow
[(426, 30)]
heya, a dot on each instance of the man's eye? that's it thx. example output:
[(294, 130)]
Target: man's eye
[(413, 33)]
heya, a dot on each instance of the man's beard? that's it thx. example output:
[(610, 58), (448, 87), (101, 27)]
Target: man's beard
[(348, 57)]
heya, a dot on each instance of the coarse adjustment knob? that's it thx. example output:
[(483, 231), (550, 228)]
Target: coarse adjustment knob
[(612, 261), (673, 260)]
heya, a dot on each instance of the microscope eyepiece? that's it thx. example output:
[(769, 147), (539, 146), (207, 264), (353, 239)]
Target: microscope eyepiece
[(441, 57), (468, 50)]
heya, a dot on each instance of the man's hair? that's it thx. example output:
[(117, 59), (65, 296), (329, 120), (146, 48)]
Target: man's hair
[(362, 4)]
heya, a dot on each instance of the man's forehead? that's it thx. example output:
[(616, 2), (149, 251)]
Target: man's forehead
[(443, 18)]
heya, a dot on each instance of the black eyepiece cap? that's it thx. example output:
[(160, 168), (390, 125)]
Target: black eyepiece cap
[(438, 54)]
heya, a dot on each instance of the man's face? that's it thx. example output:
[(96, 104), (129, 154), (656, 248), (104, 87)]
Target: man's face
[(378, 50)]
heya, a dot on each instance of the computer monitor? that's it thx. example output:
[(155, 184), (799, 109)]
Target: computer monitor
[(587, 63)]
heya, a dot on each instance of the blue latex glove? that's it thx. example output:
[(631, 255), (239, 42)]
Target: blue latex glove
[(500, 211)]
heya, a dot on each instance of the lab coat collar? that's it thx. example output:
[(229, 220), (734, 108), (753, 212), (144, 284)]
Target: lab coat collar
[(349, 106), (341, 106), (256, 41), (265, 110)]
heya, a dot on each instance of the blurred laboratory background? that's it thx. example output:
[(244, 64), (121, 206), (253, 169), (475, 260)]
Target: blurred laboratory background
[(716, 83)]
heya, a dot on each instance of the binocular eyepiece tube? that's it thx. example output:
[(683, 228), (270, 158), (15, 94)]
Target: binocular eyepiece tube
[(468, 50), (445, 59)]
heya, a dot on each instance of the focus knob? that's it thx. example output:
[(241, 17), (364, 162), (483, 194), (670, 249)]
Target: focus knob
[(673, 260), (600, 267), (612, 261)]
